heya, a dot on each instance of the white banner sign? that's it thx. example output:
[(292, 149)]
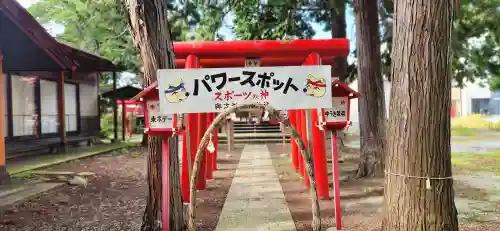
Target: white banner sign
[(158, 119), (338, 112), (216, 89)]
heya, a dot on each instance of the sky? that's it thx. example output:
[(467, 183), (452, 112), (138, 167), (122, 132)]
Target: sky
[(55, 29)]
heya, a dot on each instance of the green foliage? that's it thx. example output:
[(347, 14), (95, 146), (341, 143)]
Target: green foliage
[(276, 20), (476, 42), (212, 17), (107, 131), (99, 26), (475, 121)]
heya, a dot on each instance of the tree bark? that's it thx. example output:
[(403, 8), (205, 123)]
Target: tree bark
[(339, 30), (418, 144), (4, 176), (151, 35), (371, 87)]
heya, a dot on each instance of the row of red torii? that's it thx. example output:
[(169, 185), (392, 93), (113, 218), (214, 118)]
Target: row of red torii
[(246, 54)]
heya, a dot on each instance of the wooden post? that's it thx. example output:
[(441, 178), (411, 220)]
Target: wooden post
[(229, 136), (4, 176), (293, 145), (62, 111), (124, 120), (189, 140), (336, 184), (208, 154), (216, 144), (130, 124), (115, 109), (317, 144), (166, 184), (202, 175)]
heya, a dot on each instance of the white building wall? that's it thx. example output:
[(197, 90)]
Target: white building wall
[(472, 91), (354, 110)]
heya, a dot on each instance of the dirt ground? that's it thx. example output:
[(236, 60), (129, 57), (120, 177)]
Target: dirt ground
[(114, 199), (358, 214)]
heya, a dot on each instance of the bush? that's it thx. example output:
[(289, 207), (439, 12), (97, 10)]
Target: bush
[(107, 126), (473, 122)]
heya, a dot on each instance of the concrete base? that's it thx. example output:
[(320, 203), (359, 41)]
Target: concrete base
[(4, 176)]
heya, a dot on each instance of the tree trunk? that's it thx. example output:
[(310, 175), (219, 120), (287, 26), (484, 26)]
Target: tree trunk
[(339, 30), (151, 35), (144, 141), (371, 87), (419, 124), (4, 176)]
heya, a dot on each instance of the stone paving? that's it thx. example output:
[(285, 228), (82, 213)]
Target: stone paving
[(255, 201)]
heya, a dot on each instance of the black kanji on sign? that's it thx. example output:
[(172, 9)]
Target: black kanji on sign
[(248, 80), (226, 105), (264, 79), (218, 106), (152, 119), (223, 79), (204, 81), (335, 113), (288, 85), (277, 84)]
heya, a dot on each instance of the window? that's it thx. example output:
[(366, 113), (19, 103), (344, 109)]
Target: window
[(23, 105), (48, 106), (480, 106), (70, 106)]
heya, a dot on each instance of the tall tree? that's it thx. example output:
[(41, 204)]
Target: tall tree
[(476, 43), (371, 87), (101, 26), (277, 19), (332, 14), (151, 34), (418, 186), (98, 26), (211, 20)]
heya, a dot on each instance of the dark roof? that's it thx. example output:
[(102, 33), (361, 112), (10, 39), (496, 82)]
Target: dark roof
[(346, 89), (85, 61), (147, 92), (29, 47), (122, 93)]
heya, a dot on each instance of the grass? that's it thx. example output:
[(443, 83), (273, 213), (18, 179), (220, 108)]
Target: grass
[(48, 160), (461, 131), (488, 162), (474, 122)]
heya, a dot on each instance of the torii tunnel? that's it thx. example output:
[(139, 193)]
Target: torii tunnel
[(270, 53)]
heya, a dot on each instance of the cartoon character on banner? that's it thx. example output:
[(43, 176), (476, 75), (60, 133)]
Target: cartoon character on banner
[(315, 87), (176, 92)]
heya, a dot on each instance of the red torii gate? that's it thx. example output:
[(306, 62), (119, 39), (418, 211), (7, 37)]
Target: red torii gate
[(270, 53)]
